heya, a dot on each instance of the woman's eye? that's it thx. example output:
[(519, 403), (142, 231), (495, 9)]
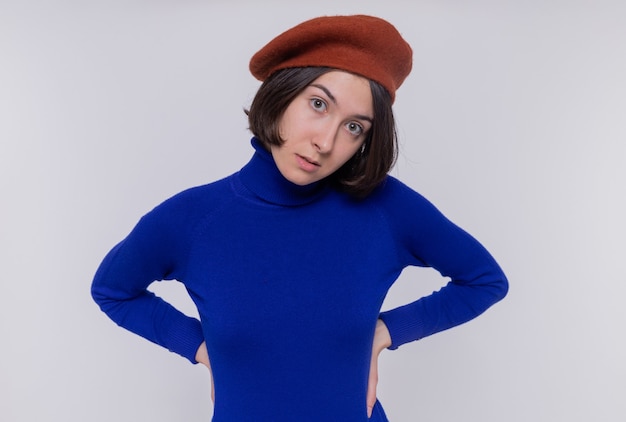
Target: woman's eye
[(318, 104), (354, 128)]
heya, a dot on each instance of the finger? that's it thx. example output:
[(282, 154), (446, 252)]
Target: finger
[(212, 380), (372, 382)]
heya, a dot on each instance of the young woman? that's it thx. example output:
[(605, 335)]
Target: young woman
[(289, 260)]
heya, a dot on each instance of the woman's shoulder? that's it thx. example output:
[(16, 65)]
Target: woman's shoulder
[(401, 203), (202, 192), (194, 201), (392, 189)]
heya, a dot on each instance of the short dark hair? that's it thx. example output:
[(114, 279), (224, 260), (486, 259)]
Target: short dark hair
[(368, 167)]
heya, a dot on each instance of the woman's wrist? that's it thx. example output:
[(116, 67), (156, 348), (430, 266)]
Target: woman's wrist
[(382, 335), (202, 355)]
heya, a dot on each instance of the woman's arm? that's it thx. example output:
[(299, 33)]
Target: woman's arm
[(154, 250), (425, 237)]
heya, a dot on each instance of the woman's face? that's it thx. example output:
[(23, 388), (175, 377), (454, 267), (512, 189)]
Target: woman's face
[(323, 127)]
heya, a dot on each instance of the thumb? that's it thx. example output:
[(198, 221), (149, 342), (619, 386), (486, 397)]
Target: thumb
[(372, 382)]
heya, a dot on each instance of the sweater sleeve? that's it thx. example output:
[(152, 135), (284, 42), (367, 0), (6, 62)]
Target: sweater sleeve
[(153, 251), (425, 237)]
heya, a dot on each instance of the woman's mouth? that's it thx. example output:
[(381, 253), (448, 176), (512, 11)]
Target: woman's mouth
[(307, 164)]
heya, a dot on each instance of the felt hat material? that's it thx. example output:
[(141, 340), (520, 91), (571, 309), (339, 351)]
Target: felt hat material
[(365, 45)]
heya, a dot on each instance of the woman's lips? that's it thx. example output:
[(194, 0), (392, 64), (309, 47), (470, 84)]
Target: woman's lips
[(307, 164)]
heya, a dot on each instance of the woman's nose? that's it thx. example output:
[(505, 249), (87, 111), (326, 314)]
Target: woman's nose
[(324, 141)]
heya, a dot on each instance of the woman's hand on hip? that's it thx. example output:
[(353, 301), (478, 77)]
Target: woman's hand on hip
[(202, 356), (382, 340)]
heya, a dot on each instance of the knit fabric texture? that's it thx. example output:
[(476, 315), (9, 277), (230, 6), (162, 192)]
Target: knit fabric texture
[(289, 282), (360, 44)]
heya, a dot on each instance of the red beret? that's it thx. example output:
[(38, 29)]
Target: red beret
[(364, 45)]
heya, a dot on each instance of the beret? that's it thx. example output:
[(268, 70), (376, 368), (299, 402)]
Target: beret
[(364, 45)]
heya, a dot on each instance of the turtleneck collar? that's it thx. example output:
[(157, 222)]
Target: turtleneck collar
[(262, 177)]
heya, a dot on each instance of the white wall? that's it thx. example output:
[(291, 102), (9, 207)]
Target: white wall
[(513, 122)]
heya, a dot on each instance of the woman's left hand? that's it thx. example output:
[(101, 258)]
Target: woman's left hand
[(202, 356), (382, 340)]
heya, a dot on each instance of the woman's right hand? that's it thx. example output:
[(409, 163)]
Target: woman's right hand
[(202, 356)]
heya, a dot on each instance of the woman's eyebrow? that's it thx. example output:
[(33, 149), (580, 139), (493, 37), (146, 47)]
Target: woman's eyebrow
[(326, 91), (334, 100)]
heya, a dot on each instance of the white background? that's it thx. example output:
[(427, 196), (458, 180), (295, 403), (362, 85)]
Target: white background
[(513, 123)]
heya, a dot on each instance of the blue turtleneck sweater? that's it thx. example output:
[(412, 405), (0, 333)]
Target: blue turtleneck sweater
[(289, 281)]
